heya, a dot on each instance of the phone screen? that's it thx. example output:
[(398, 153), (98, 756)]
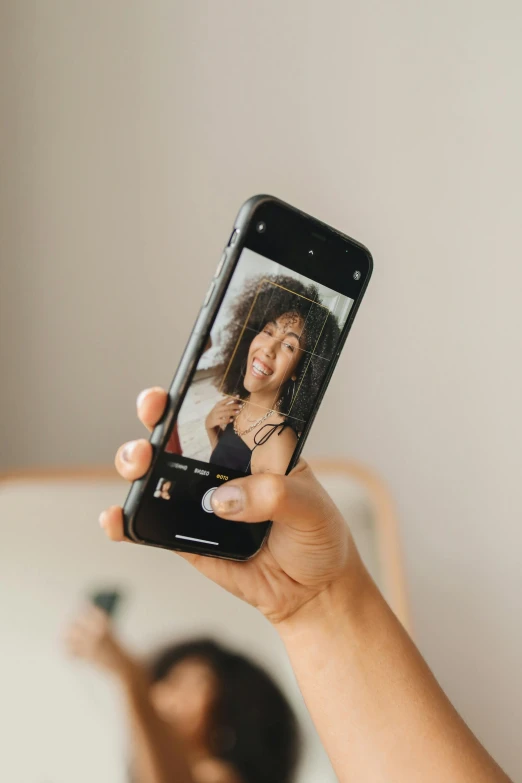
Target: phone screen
[(257, 380)]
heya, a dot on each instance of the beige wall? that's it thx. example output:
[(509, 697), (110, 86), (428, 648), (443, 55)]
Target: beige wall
[(133, 131)]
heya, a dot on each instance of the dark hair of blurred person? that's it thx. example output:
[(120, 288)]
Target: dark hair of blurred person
[(248, 722)]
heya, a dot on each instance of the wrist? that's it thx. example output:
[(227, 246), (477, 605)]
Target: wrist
[(338, 605)]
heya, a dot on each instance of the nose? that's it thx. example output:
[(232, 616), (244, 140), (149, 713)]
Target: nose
[(270, 348)]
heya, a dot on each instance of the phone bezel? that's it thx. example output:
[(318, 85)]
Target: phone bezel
[(299, 231)]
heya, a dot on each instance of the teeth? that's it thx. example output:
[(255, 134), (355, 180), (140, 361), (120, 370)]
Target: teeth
[(260, 369)]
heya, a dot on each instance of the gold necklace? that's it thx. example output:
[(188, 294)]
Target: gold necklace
[(244, 408), (240, 433)]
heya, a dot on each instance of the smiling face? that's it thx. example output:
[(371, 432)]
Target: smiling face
[(274, 355)]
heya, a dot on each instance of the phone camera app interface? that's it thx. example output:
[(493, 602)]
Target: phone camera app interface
[(253, 391)]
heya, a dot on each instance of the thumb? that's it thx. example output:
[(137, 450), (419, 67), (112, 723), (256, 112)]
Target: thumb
[(297, 499)]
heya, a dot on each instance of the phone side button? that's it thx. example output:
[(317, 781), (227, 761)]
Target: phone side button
[(221, 264), (233, 237), (209, 293)]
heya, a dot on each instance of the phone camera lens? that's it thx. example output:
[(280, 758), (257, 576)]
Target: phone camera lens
[(261, 227), (357, 275)]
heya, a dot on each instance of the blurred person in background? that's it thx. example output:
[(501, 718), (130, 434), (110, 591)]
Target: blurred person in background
[(198, 713)]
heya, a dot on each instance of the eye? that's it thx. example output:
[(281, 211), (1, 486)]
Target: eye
[(268, 331), (289, 346)]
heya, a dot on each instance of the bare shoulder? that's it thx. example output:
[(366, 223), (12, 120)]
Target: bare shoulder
[(215, 771), (275, 453)]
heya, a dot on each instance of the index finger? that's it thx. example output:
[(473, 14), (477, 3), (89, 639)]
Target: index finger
[(151, 404), (111, 522)]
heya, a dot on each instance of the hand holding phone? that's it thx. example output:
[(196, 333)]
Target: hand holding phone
[(310, 545)]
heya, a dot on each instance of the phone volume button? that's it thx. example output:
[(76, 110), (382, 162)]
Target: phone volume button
[(221, 264), (209, 293)]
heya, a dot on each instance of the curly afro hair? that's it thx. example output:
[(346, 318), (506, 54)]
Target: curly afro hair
[(252, 725), (265, 300)]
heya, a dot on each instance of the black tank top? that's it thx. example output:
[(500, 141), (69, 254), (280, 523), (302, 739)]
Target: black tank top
[(232, 451)]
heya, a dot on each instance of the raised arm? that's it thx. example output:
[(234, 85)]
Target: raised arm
[(378, 709), (158, 755), (377, 706)]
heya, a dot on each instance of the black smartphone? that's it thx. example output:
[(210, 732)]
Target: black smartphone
[(255, 369), (107, 600)]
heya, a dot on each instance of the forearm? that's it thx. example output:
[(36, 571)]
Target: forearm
[(157, 751), (378, 709)]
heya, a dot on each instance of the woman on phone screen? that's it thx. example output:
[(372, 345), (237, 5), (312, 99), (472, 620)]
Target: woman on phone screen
[(275, 357)]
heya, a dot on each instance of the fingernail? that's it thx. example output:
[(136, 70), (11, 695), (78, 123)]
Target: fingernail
[(102, 518), (141, 397), (227, 499), (127, 452)]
